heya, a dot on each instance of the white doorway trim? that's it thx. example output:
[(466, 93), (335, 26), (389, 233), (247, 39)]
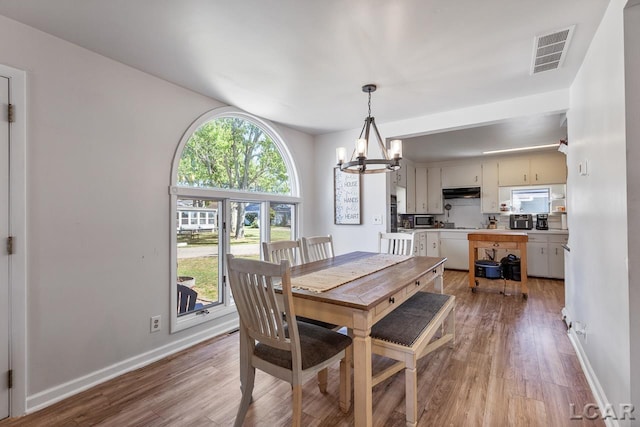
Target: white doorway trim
[(18, 229)]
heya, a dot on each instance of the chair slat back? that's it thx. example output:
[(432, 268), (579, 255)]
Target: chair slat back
[(186, 299), (282, 250), (395, 243), (252, 284), (317, 248)]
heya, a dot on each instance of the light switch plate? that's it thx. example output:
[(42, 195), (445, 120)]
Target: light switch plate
[(377, 219), (583, 168)]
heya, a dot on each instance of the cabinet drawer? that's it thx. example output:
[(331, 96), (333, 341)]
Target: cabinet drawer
[(391, 303), (538, 237), (497, 245), (558, 238), (427, 278)]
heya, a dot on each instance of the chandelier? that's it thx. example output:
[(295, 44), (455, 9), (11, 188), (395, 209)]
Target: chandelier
[(360, 163)]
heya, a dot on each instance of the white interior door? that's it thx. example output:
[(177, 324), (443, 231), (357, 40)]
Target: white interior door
[(4, 256)]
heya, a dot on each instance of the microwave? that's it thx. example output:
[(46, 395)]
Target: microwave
[(424, 221)]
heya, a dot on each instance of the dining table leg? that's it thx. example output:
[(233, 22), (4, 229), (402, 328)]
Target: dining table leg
[(362, 382)]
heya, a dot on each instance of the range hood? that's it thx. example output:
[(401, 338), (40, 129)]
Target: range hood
[(461, 193)]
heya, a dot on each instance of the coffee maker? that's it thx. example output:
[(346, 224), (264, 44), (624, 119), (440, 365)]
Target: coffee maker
[(542, 222)]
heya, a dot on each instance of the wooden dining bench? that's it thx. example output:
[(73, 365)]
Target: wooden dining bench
[(407, 334)]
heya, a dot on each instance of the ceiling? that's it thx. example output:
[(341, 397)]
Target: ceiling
[(472, 142), (302, 62)]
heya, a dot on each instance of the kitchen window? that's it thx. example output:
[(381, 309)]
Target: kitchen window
[(530, 200)]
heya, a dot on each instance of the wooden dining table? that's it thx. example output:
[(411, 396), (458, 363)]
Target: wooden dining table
[(360, 303)]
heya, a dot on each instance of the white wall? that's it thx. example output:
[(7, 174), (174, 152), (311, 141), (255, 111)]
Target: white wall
[(597, 291), (632, 85), (101, 137)]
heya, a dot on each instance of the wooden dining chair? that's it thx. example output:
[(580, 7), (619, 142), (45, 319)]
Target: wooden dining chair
[(395, 243), (317, 248), (282, 250), (291, 250), (290, 351)]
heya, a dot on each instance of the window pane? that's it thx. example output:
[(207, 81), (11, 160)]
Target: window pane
[(245, 229), (198, 261), (280, 220), (532, 201), (233, 153)]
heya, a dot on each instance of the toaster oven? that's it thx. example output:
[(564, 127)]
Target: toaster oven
[(521, 221)]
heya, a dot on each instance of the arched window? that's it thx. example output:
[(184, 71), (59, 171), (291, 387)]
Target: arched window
[(234, 185)]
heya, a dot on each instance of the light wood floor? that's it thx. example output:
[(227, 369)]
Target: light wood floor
[(512, 365)]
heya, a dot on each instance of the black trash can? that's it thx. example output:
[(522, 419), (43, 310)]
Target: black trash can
[(510, 266)]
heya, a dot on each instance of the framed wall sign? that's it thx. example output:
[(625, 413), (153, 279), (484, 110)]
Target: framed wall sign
[(346, 197)]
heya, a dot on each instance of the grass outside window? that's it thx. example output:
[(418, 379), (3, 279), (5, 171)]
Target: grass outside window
[(205, 269)]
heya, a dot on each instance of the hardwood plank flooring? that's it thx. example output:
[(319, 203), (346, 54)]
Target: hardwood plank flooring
[(511, 365)]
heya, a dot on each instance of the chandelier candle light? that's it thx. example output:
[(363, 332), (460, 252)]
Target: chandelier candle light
[(359, 162)]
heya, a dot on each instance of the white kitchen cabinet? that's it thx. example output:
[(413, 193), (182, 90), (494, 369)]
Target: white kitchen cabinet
[(411, 189), (420, 243), (401, 174), (514, 171), (534, 170), (433, 243), (462, 176), (421, 190), (537, 259), (545, 255), (556, 255), (549, 169), (490, 190), (434, 191), (455, 247)]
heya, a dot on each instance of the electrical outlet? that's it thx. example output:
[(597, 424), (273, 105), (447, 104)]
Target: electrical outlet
[(155, 324), (580, 328)]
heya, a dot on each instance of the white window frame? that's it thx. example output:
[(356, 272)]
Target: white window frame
[(226, 311)]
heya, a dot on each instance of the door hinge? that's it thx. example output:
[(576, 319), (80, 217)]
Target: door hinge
[(10, 378), (10, 245), (224, 226), (10, 117)]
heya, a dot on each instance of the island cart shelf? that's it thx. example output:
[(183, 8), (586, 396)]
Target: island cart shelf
[(498, 240)]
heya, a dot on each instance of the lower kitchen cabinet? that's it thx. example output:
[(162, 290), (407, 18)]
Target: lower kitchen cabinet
[(426, 243), (545, 255), (419, 243), (455, 247), (556, 260), (433, 243), (537, 258)]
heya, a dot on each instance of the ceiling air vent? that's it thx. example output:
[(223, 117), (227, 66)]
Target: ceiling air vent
[(549, 50)]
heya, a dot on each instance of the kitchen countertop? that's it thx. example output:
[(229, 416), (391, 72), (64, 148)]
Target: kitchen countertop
[(483, 230)]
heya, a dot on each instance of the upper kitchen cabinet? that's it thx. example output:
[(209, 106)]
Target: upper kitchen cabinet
[(401, 174), (549, 169), (428, 191), (490, 191), (462, 176), (434, 191), (421, 190), (410, 172), (546, 169), (514, 171)]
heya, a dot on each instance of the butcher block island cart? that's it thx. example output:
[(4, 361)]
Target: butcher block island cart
[(498, 240)]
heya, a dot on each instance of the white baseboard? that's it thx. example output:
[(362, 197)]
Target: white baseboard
[(55, 394), (592, 379)]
